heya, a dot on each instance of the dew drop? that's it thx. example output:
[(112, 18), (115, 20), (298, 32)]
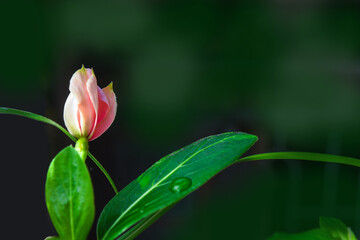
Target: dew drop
[(180, 184)]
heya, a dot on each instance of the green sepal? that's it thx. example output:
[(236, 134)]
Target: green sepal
[(82, 147)]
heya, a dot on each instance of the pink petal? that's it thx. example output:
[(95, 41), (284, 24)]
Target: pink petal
[(78, 87), (103, 105), (89, 72), (106, 117), (92, 90), (71, 116)]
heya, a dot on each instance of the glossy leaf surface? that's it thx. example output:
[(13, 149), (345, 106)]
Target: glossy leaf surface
[(171, 179), (69, 195)]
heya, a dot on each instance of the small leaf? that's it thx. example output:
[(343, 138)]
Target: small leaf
[(330, 229), (171, 179), (336, 228), (69, 195)]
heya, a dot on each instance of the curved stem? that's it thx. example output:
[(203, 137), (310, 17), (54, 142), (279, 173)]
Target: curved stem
[(104, 171)]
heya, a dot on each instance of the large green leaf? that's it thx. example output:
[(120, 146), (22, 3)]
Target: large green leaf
[(69, 195), (317, 233), (171, 179)]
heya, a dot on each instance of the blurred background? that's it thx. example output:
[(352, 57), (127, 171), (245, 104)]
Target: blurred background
[(285, 70)]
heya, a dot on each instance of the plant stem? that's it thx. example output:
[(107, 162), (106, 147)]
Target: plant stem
[(104, 171)]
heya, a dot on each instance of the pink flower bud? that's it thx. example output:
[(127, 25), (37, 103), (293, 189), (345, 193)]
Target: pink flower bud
[(89, 110)]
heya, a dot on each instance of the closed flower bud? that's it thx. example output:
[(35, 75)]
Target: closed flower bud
[(89, 110)]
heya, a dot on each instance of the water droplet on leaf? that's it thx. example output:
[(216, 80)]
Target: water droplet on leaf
[(180, 184)]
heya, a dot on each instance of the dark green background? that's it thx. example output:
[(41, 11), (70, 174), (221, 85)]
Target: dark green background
[(287, 71)]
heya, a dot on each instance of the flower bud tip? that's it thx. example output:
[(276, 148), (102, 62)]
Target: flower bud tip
[(110, 86)]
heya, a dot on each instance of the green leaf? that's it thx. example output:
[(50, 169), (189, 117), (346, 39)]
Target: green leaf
[(336, 228), (320, 157), (69, 195), (330, 229), (171, 179)]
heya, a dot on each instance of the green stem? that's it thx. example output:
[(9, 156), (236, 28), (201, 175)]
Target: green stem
[(104, 171), (320, 157), (37, 117)]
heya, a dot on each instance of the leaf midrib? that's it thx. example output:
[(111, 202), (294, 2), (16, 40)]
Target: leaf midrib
[(155, 185), (71, 204)]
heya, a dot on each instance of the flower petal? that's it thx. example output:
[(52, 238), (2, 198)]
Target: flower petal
[(107, 117), (78, 87), (71, 116), (92, 90), (103, 105)]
